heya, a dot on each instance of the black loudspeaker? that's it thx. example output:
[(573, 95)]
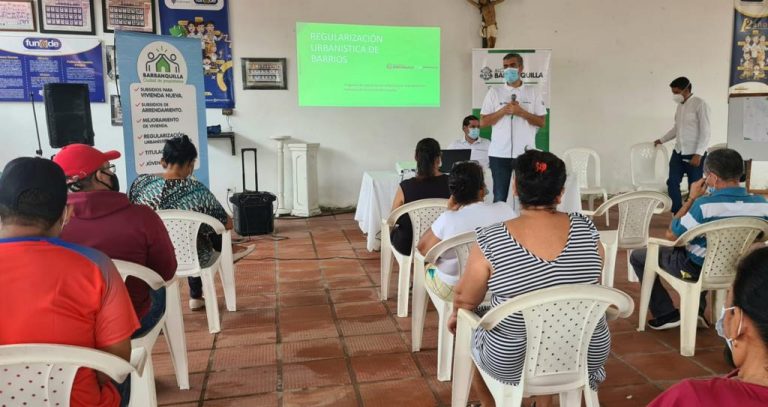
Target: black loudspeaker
[(252, 211), (68, 114)]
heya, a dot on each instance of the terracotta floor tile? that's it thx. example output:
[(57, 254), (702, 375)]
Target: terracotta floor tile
[(315, 373), (665, 366), (326, 254), (636, 342), (410, 392), (333, 246), (286, 276), (168, 391), (375, 344), (428, 339), (619, 373), (244, 356), (297, 265), (627, 396), (714, 360), (241, 382), (302, 298), (196, 340), (705, 338), (306, 313), (354, 295), (384, 367), (197, 361), (247, 318), (350, 282), (269, 399), (249, 266), (250, 289), (299, 331), (339, 263), (337, 396), (256, 335), (195, 321), (341, 272), (256, 301), (316, 349), (371, 324), (427, 360), (365, 254), (306, 285), (359, 309)]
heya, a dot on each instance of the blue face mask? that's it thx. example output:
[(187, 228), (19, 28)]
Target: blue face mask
[(511, 75), (474, 133), (721, 330)]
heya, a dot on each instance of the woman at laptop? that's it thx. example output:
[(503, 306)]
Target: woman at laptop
[(429, 182)]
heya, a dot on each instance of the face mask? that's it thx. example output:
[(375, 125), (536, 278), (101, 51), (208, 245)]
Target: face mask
[(474, 133), (114, 182), (678, 98), (511, 75), (721, 330)]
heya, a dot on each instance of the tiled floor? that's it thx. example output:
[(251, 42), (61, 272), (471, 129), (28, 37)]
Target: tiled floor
[(310, 331)]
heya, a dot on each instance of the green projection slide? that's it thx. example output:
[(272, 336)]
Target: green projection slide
[(365, 65)]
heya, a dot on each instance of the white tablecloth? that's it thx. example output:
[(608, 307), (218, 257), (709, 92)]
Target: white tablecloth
[(378, 190)]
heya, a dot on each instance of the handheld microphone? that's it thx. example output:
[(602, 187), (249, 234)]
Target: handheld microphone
[(514, 98)]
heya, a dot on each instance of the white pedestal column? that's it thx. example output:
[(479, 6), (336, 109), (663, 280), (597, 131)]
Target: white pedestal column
[(281, 207), (304, 165)]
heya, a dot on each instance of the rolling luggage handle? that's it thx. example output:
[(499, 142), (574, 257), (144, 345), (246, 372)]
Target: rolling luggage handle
[(255, 167)]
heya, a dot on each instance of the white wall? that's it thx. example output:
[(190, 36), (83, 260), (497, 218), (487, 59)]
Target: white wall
[(612, 62)]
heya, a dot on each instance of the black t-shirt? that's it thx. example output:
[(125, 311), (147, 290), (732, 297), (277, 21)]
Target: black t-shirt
[(415, 189)]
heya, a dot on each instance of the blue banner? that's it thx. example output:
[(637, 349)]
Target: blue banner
[(28, 63), (208, 22), (161, 93)]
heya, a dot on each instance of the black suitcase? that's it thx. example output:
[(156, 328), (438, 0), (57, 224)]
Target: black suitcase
[(253, 212)]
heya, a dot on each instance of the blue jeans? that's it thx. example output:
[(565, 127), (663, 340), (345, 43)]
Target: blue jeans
[(124, 389), (156, 311), (501, 171), (678, 165)]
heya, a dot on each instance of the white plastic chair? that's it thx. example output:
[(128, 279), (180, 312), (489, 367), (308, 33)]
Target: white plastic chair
[(577, 161), (182, 227), (649, 166), (635, 212), (460, 244), (727, 240), (422, 213), (171, 323), (559, 323), (42, 374)]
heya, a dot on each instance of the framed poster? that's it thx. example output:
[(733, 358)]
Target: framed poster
[(66, 16), (263, 73), (17, 15), (129, 15)]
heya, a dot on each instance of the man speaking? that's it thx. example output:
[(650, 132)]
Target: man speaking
[(516, 112)]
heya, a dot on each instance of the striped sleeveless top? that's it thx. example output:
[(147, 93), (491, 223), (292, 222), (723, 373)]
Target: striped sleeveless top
[(500, 352)]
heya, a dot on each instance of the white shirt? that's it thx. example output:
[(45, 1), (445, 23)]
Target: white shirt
[(479, 149), (466, 219), (511, 136), (692, 129)]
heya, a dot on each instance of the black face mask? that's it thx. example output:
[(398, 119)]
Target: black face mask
[(113, 180)]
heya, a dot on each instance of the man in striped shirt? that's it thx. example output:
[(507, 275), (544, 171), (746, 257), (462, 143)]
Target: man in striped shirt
[(716, 196)]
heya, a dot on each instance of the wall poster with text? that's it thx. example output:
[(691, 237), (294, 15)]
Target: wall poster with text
[(749, 65)]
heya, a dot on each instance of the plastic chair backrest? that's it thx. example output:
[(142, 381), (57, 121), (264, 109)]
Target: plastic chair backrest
[(559, 323), (147, 275), (42, 374), (577, 162), (727, 240), (635, 212), (459, 244), (182, 227), (644, 163)]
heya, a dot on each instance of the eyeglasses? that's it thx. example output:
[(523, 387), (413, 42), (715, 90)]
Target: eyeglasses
[(110, 168)]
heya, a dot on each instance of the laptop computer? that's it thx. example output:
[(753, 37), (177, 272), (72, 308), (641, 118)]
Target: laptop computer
[(450, 157)]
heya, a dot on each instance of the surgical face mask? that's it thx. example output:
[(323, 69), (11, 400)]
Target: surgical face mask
[(678, 98), (474, 133), (114, 182), (719, 327), (511, 75)]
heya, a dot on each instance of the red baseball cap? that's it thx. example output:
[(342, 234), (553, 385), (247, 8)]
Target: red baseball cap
[(81, 160)]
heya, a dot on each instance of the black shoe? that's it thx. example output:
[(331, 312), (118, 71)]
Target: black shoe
[(668, 321), (702, 322)]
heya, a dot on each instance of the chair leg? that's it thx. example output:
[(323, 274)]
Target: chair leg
[(649, 277), (463, 366), (143, 392), (571, 398), (444, 344), (607, 218), (609, 268), (631, 276), (590, 397), (689, 313), (173, 330), (227, 277), (386, 268), (403, 287), (418, 306), (211, 302)]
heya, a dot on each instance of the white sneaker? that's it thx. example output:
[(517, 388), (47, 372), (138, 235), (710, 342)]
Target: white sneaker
[(196, 304)]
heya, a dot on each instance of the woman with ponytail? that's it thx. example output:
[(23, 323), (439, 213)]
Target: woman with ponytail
[(428, 183)]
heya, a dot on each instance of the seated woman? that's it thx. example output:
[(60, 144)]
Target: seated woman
[(539, 249), (744, 326), (466, 211), (175, 189), (428, 183)]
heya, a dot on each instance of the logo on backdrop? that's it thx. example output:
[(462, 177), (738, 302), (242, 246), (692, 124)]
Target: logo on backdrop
[(42, 43), (486, 73), (161, 62)]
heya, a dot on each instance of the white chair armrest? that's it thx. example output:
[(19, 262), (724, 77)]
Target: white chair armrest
[(139, 360), (588, 213), (664, 242), (148, 276), (468, 317)]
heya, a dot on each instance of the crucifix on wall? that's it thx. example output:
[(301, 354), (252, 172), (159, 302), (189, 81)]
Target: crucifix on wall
[(489, 28)]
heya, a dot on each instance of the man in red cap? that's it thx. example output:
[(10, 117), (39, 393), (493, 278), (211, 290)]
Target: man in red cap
[(103, 218)]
